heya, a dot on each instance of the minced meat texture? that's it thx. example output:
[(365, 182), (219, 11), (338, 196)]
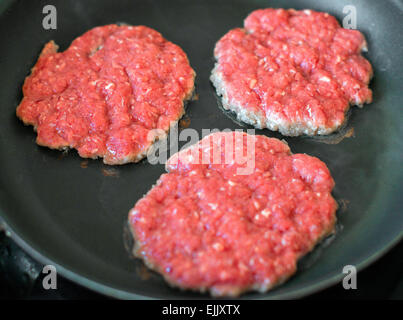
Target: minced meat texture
[(104, 94), (205, 226), (292, 71)]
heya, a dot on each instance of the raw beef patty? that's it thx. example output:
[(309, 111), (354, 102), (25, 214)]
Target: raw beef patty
[(292, 71), (206, 227), (104, 94)]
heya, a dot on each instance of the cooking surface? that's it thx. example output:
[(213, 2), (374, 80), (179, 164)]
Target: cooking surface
[(74, 214), (382, 280)]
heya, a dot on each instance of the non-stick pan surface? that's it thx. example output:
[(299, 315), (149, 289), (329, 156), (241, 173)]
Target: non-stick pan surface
[(73, 217)]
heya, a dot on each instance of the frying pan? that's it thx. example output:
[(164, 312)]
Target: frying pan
[(73, 215)]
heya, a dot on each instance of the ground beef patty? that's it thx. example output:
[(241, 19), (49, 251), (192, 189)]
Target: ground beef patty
[(104, 94), (292, 71), (206, 227)]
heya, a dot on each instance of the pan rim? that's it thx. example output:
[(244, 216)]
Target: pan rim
[(109, 291)]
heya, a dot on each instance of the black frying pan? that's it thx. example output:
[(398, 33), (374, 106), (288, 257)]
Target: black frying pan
[(74, 217)]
